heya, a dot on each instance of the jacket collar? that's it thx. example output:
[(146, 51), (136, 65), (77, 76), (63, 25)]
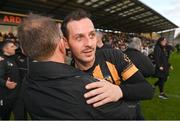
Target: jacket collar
[(51, 70)]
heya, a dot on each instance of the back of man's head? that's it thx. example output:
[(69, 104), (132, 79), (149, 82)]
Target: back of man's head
[(38, 36), (73, 16), (135, 43)]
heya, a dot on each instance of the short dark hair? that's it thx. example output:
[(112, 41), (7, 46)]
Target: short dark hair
[(38, 36), (75, 15)]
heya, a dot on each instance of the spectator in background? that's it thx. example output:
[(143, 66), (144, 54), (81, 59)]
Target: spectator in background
[(9, 81), (142, 62), (162, 65), (100, 44)]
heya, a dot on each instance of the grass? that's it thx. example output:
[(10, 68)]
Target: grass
[(158, 109)]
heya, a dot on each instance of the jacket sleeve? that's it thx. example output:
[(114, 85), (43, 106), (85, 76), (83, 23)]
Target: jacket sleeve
[(134, 86), (137, 88), (2, 72), (157, 53), (144, 64), (149, 68)]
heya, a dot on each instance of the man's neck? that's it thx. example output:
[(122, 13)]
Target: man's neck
[(84, 66), (100, 44), (56, 58)]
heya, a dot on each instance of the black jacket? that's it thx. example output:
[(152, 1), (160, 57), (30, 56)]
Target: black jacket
[(161, 60), (142, 62), (55, 91), (8, 68)]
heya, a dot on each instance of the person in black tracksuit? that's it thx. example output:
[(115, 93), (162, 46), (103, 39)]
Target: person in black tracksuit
[(162, 65), (9, 80), (21, 63), (142, 62)]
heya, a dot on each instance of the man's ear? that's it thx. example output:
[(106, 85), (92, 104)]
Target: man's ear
[(61, 46), (66, 43)]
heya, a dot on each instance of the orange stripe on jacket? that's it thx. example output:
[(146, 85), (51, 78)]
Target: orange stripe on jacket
[(131, 70), (98, 73), (114, 73)]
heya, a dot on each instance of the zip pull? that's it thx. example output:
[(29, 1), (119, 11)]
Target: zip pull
[(1, 102)]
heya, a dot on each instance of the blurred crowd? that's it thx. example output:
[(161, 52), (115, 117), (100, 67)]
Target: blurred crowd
[(116, 40), (122, 40)]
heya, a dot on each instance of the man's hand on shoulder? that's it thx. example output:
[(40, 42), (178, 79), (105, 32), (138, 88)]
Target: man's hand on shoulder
[(102, 92)]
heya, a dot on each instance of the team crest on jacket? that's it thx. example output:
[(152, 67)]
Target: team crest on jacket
[(126, 58)]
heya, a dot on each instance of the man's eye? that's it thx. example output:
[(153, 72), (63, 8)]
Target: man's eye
[(92, 36), (78, 38)]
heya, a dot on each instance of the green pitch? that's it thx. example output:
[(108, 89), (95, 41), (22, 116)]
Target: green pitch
[(166, 109)]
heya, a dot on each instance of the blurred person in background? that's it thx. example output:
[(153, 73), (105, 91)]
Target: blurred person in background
[(142, 62), (162, 65), (100, 44), (9, 81)]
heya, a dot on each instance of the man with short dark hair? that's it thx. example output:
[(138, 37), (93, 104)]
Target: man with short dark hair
[(124, 81)]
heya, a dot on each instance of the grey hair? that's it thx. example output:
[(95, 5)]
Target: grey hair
[(135, 43), (99, 34)]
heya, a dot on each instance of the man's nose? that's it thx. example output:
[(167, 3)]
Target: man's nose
[(88, 42)]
